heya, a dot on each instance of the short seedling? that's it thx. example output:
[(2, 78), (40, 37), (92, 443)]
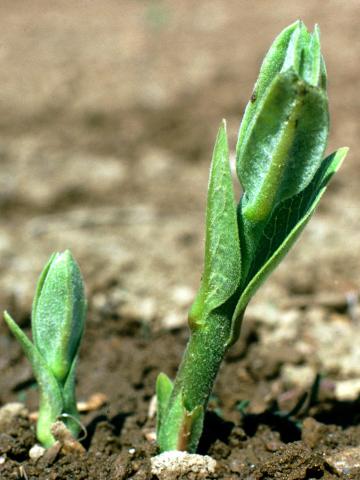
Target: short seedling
[(280, 165), (57, 323)]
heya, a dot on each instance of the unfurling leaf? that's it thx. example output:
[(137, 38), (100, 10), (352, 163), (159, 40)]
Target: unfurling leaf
[(222, 265)]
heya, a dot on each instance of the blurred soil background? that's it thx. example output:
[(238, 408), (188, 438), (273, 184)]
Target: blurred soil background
[(109, 110)]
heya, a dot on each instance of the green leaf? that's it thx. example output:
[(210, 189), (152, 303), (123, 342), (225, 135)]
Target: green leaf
[(283, 134), (282, 230), (59, 313), (51, 402), (167, 435), (323, 74), (181, 428), (283, 146), (69, 401), (294, 52), (271, 66), (311, 61), (222, 269), (164, 388), (294, 48), (39, 286)]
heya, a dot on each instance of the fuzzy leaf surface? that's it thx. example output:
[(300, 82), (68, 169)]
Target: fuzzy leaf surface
[(222, 269), (164, 388), (281, 232), (271, 65), (58, 313), (284, 144)]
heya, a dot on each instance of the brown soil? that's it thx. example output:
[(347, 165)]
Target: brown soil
[(109, 112), (246, 445)]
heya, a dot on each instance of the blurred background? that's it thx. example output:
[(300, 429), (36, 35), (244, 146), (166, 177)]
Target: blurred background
[(109, 110)]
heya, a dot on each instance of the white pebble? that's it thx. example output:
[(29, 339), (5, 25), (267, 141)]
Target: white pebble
[(174, 464), (36, 452)]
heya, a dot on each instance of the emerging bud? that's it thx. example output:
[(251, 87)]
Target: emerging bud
[(58, 317), (284, 131), (58, 313)]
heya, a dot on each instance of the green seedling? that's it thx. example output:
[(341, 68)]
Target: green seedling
[(281, 167), (57, 323)]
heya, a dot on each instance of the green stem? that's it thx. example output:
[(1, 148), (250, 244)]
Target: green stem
[(48, 415), (182, 424), (202, 358)]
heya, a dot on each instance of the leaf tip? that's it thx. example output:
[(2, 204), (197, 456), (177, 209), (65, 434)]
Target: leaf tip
[(8, 319), (340, 155)]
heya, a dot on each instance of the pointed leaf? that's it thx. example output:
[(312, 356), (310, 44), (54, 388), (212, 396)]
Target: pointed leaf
[(323, 74), (222, 267), (51, 403), (164, 388), (283, 229), (167, 435), (39, 287), (294, 52), (311, 62), (271, 66)]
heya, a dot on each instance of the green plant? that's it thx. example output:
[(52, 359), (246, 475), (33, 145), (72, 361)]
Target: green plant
[(280, 165), (57, 323)]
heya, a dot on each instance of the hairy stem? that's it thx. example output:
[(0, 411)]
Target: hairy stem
[(182, 425)]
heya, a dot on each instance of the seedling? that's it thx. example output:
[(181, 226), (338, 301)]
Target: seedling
[(280, 165), (57, 323)]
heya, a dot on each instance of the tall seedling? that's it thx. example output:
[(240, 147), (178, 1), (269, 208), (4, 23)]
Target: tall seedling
[(281, 167)]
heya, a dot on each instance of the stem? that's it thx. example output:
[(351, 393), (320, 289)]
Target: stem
[(182, 425), (48, 415), (53, 404), (202, 358)]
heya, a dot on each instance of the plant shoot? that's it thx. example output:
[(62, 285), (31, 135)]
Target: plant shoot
[(57, 324), (281, 168)]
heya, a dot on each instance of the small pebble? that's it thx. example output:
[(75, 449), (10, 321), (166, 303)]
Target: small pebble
[(150, 435), (36, 452), (345, 462)]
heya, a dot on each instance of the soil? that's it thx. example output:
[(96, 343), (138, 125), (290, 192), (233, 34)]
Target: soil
[(110, 110)]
